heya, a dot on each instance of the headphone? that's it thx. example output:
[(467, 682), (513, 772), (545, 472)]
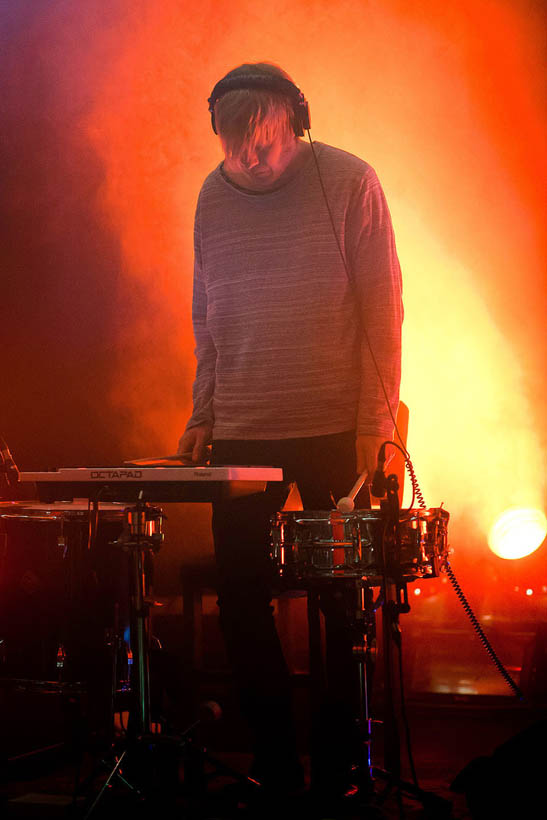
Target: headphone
[(269, 82)]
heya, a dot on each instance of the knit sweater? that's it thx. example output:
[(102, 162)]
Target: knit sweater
[(278, 322)]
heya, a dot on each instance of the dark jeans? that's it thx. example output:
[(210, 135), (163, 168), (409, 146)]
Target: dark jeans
[(324, 469)]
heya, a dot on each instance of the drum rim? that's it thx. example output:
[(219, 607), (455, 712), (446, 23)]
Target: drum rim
[(58, 510), (327, 515)]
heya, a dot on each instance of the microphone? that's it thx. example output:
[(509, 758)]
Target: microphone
[(378, 486)]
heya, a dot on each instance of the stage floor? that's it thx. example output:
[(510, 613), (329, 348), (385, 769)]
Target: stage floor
[(447, 733)]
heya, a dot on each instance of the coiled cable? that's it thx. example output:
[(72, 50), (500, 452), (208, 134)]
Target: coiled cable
[(417, 495), (480, 632), (416, 491)]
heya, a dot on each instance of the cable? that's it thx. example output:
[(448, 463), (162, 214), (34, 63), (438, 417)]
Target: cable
[(460, 593), (343, 258), (416, 492), (480, 632)]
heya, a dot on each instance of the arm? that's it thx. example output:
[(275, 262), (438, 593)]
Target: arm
[(377, 278), (200, 426)]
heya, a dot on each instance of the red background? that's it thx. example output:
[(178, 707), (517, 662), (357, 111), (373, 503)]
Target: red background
[(105, 143)]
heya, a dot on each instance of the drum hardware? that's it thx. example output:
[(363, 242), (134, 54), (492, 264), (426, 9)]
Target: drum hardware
[(364, 652), (326, 545), (394, 602), (359, 550), (143, 761), (141, 536), (47, 588)]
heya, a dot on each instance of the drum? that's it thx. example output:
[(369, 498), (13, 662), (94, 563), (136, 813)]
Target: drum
[(61, 594), (312, 545)]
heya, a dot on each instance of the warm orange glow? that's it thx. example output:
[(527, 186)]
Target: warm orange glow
[(518, 532), (107, 140), (446, 102)]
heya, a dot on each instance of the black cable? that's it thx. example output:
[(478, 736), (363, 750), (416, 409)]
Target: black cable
[(416, 491), (343, 258), (457, 589), (480, 632)]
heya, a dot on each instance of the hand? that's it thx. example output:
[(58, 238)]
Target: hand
[(193, 443), (366, 449)]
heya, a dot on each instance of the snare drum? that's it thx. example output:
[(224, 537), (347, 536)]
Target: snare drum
[(312, 545), (307, 545), (58, 598), (424, 542)]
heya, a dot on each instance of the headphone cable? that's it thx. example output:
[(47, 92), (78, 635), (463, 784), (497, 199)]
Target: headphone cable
[(350, 280)]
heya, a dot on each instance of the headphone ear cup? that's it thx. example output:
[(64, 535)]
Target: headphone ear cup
[(304, 120)]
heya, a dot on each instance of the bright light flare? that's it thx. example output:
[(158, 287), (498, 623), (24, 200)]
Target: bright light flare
[(517, 532)]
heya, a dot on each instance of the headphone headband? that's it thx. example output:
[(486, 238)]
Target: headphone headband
[(268, 82)]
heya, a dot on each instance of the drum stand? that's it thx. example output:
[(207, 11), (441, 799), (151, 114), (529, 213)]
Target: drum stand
[(141, 535), (145, 762), (393, 601)]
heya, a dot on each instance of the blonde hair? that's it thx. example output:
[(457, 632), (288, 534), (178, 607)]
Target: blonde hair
[(249, 117)]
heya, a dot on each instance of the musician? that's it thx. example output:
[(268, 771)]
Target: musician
[(282, 292)]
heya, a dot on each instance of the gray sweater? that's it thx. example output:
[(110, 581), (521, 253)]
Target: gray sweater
[(278, 325)]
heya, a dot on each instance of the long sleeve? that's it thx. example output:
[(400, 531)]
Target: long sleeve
[(278, 326), (377, 277), (205, 351)]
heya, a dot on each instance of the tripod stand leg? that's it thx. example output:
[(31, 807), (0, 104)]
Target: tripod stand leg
[(106, 785)]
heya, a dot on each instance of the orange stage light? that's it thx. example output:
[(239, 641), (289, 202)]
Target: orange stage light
[(517, 532)]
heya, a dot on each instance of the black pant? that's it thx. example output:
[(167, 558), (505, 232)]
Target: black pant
[(324, 467)]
